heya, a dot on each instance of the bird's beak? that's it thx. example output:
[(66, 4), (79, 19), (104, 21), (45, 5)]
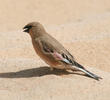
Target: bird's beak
[(26, 28)]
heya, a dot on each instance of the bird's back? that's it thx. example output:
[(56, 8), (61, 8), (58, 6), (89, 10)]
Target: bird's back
[(53, 43)]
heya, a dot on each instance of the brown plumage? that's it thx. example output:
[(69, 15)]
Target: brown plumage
[(51, 51)]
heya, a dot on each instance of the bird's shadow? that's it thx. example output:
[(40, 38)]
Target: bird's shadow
[(36, 72)]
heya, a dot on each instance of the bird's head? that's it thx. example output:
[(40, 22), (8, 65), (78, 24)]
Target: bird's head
[(34, 28), (31, 25)]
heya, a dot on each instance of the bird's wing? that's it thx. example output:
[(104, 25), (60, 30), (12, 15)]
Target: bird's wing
[(60, 54)]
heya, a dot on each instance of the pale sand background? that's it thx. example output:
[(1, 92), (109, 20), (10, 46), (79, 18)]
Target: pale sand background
[(82, 26)]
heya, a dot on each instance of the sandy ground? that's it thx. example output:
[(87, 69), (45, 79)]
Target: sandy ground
[(82, 26)]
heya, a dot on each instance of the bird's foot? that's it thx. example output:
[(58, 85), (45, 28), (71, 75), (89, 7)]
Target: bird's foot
[(51, 68)]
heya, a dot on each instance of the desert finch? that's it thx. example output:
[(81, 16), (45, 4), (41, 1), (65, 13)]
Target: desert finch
[(51, 51)]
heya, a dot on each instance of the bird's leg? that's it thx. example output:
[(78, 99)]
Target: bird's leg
[(74, 70), (51, 68), (64, 70)]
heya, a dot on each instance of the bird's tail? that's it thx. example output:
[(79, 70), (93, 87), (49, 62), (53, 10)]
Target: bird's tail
[(81, 68)]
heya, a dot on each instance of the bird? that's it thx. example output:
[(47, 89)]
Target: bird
[(52, 51)]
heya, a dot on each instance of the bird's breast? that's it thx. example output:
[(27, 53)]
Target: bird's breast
[(49, 59)]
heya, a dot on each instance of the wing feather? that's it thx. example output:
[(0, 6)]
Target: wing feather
[(57, 51)]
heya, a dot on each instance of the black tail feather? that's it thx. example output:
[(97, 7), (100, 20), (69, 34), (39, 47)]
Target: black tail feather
[(81, 68)]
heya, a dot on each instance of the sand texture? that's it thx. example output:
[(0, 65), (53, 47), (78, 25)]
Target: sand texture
[(83, 27)]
